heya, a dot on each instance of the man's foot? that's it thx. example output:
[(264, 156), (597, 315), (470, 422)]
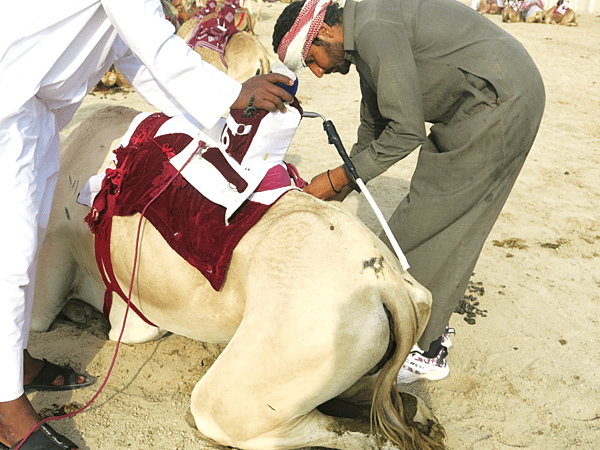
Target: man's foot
[(418, 367), (42, 375), (45, 437), (17, 417)]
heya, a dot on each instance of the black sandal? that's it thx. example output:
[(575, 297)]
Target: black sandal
[(50, 371), (44, 438)]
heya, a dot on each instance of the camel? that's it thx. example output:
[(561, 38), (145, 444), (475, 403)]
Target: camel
[(510, 13), (244, 19), (113, 77), (532, 11), (561, 14), (317, 312), (247, 4), (489, 7), (244, 54)]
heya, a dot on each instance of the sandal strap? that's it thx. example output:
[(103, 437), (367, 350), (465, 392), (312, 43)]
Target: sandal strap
[(46, 438), (51, 371)]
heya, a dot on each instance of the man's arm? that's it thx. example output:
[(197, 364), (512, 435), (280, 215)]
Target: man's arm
[(372, 123), (392, 123), (392, 112), (183, 78)]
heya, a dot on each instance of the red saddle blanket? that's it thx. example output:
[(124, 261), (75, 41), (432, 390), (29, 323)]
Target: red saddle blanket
[(191, 224)]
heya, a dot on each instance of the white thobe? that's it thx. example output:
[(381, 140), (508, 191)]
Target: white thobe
[(49, 60)]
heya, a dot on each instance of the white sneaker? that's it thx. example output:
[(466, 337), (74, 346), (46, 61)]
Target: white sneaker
[(446, 340), (417, 367)]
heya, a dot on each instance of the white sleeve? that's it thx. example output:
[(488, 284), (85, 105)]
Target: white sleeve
[(169, 74), (151, 90)]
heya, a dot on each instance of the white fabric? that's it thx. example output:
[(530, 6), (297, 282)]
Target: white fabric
[(177, 124), (269, 197), (208, 180), (49, 59), (29, 149), (533, 9), (268, 148), (70, 44)]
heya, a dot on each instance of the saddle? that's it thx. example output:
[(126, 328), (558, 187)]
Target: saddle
[(201, 231)]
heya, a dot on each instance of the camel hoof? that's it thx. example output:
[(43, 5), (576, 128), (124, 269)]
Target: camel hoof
[(419, 414)]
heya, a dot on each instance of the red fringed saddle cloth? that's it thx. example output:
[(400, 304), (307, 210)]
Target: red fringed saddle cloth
[(214, 33), (191, 224)]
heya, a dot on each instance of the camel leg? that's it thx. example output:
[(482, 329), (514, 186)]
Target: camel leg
[(285, 360), (54, 280), (136, 330), (313, 325)]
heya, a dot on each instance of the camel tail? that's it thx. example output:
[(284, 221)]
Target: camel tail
[(387, 411)]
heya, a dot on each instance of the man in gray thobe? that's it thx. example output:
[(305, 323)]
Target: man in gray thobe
[(420, 61)]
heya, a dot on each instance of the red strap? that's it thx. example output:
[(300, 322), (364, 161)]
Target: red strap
[(148, 127), (102, 247), (216, 158)]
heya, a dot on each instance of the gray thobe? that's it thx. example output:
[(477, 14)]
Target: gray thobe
[(440, 62)]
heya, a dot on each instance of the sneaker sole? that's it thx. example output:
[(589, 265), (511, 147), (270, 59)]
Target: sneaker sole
[(435, 375)]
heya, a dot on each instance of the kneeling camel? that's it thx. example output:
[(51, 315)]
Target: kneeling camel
[(316, 312)]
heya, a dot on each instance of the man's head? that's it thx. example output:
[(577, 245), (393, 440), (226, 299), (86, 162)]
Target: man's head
[(310, 33)]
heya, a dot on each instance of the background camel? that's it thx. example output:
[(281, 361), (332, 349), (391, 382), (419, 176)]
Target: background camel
[(510, 13), (561, 14), (244, 53)]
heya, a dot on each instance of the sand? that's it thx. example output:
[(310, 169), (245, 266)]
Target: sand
[(524, 375)]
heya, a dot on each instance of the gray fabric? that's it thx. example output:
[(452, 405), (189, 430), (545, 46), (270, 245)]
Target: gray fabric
[(438, 61)]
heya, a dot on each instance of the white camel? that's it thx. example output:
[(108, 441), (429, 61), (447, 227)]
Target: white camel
[(315, 309)]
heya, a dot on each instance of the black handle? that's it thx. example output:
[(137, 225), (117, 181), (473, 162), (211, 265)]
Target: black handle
[(334, 138)]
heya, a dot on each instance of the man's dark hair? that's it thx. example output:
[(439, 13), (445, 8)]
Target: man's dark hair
[(333, 17)]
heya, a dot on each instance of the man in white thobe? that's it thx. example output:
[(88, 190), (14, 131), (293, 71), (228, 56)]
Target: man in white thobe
[(49, 60)]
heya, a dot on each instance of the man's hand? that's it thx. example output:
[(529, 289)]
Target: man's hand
[(266, 94), (330, 186)]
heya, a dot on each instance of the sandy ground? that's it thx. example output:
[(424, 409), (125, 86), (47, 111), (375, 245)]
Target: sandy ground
[(525, 374)]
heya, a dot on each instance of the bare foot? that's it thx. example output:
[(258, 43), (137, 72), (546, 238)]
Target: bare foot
[(17, 417)]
